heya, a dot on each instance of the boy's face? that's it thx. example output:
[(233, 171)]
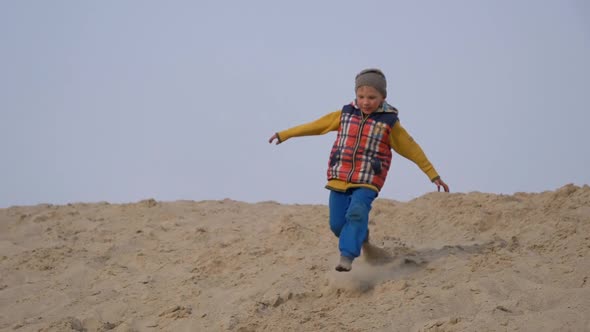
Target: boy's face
[(368, 99)]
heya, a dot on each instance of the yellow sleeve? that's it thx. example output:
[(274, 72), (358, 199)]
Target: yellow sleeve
[(404, 144), (325, 124)]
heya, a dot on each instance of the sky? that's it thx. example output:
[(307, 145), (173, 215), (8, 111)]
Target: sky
[(121, 101)]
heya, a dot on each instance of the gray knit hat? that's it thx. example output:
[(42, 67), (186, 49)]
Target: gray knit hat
[(372, 77)]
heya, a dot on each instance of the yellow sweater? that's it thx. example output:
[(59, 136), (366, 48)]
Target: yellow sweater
[(399, 140)]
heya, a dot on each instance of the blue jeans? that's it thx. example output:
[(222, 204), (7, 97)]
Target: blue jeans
[(349, 218)]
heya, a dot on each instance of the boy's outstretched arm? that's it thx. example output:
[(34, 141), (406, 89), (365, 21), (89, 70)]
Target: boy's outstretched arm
[(405, 145), (323, 125)]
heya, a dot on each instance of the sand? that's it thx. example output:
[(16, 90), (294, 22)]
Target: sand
[(441, 262)]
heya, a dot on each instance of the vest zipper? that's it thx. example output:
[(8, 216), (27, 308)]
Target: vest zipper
[(356, 146)]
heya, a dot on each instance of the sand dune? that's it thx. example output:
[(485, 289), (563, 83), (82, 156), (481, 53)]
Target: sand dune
[(441, 262)]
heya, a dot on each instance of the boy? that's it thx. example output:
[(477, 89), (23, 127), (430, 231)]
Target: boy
[(368, 129)]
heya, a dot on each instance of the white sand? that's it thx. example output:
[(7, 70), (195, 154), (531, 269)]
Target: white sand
[(443, 262)]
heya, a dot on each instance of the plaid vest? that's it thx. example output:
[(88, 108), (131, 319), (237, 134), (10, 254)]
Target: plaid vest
[(361, 153)]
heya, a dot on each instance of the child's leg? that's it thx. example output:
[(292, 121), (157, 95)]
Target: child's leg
[(355, 229), (338, 206)]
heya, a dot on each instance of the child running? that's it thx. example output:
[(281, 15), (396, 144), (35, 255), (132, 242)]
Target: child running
[(368, 128)]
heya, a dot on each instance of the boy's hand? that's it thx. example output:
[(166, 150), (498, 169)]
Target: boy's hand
[(440, 183), (273, 137)]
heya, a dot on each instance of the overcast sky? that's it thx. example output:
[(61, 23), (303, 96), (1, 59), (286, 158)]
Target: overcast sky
[(120, 101)]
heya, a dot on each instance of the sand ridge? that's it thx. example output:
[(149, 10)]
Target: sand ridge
[(441, 262)]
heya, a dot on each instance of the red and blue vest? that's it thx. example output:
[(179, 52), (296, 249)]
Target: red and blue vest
[(361, 153)]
